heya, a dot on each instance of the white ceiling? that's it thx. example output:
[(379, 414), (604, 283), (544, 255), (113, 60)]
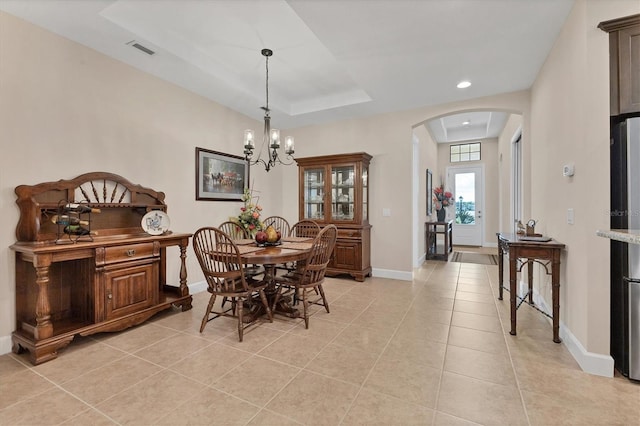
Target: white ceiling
[(332, 59)]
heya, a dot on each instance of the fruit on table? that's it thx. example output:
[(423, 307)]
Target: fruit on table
[(272, 235), (261, 237)]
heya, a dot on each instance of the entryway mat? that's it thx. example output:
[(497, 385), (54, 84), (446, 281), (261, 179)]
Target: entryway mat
[(471, 257)]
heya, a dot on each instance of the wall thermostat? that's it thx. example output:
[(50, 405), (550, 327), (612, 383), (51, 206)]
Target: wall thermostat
[(568, 170)]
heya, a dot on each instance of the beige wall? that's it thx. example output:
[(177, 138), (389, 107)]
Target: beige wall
[(504, 170), (428, 160), (570, 124)]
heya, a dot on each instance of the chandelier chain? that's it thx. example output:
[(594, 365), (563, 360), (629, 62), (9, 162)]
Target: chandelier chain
[(267, 82)]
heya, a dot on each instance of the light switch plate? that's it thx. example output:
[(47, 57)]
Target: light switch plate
[(386, 212), (570, 216)]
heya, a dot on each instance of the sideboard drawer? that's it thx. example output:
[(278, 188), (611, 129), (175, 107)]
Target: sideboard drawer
[(349, 233), (129, 252)]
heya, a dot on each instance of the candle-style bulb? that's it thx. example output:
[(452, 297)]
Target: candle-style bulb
[(275, 138), (248, 139), (288, 144)]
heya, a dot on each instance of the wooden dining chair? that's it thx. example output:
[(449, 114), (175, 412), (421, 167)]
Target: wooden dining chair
[(233, 229), (223, 270), (237, 232), (311, 275), (305, 228), (279, 223)]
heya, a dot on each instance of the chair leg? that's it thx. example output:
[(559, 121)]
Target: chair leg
[(265, 302), (324, 299), (240, 304), (205, 319), (305, 305)]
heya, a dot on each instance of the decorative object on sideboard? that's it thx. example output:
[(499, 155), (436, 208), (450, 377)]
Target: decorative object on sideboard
[(155, 222), (271, 137), (73, 222), (442, 199), (531, 229)]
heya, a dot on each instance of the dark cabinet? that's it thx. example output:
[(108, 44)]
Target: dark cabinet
[(334, 189), (624, 63)]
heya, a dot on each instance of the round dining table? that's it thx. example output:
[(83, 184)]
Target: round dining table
[(291, 249)]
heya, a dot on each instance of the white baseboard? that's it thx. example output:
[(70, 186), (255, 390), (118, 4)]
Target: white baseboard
[(487, 244), (5, 345), (590, 362), (198, 287), (389, 273)]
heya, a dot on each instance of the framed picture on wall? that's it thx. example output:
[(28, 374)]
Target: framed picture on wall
[(429, 189), (220, 176)]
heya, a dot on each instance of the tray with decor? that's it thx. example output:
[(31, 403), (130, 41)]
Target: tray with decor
[(268, 244)]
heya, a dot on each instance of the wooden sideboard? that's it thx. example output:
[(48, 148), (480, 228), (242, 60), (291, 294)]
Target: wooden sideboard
[(108, 281), (431, 232)]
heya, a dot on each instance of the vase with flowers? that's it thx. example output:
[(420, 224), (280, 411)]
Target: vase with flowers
[(442, 199), (249, 217)]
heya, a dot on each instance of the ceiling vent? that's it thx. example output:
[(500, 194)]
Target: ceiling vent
[(141, 47)]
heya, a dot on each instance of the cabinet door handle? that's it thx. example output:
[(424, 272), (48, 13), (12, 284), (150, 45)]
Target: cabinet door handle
[(109, 296), (130, 252)]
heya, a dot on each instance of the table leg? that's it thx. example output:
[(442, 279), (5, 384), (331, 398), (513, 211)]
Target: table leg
[(500, 270), (555, 296), (530, 278), (513, 275), (44, 326)]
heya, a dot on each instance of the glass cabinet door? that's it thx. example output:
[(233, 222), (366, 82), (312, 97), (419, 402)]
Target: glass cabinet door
[(365, 194), (342, 192), (314, 194)]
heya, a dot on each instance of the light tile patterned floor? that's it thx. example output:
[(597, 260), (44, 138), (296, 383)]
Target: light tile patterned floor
[(433, 351)]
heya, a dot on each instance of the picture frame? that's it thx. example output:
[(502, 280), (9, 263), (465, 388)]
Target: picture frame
[(429, 189), (220, 176)]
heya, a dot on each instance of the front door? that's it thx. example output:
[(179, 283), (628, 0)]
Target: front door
[(467, 184)]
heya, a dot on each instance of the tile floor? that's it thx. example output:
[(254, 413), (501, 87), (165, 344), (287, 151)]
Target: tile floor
[(428, 352)]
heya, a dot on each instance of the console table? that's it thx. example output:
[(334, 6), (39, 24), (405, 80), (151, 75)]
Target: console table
[(111, 279), (523, 252), (432, 230)]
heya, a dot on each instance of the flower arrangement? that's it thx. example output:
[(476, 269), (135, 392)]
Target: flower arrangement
[(442, 198), (249, 217)]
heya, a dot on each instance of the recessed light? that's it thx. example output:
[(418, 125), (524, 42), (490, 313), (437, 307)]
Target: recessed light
[(464, 84), (466, 123)]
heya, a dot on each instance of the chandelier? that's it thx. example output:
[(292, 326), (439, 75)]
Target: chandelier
[(271, 137)]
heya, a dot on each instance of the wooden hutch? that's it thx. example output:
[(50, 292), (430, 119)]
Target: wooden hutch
[(110, 279), (334, 189)]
